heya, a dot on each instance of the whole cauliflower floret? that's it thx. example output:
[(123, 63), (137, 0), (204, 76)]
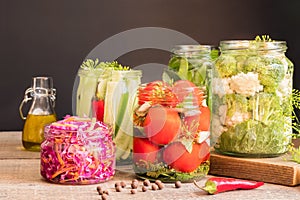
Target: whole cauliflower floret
[(245, 84), (236, 118), (217, 129), (220, 86)]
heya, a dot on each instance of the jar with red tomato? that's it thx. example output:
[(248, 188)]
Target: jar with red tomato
[(171, 137)]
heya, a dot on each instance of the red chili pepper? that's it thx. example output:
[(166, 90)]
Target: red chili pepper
[(216, 185), (98, 109)]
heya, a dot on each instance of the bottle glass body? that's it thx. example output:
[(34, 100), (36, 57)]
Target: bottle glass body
[(40, 113)]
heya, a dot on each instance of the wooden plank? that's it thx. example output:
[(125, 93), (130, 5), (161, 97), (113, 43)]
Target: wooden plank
[(11, 146), (272, 170), (21, 180)]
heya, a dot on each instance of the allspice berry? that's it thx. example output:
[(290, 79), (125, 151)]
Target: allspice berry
[(133, 191), (104, 197), (134, 185), (118, 188), (154, 187), (146, 182), (177, 184), (144, 188), (123, 184), (99, 190)]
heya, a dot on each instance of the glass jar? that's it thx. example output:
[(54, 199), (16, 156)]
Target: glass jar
[(118, 111), (40, 113), (108, 95), (77, 151), (252, 108), (193, 63), (171, 135)]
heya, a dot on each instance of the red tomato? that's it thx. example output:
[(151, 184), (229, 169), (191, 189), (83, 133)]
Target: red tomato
[(198, 122), (145, 150), (185, 88), (204, 121), (157, 92), (176, 156), (162, 125)]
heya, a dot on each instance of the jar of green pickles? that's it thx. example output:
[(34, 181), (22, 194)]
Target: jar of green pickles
[(106, 91), (193, 63), (251, 95)]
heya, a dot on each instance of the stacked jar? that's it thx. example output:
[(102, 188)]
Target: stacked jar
[(252, 107), (172, 119)]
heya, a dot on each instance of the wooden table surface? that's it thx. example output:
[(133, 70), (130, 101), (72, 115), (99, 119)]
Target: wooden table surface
[(20, 179)]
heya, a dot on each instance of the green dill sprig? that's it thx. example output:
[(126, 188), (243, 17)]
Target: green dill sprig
[(295, 105), (263, 38), (90, 64), (296, 98), (295, 152)]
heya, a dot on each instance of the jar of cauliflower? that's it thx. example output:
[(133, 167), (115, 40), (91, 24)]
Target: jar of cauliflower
[(251, 94)]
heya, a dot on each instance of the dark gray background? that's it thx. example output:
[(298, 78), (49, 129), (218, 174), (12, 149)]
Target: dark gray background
[(53, 37)]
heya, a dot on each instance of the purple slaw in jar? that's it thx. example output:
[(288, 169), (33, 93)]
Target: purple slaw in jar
[(77, 151)]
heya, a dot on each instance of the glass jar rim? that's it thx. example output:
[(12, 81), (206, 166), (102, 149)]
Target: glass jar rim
[(252, 44), (177, 49)]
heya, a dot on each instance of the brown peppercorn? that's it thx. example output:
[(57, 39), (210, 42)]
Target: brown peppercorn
[(160, 186), (154, 187), (99, 190), (135, 180), (118, 188), (133, 191), (134, 185), (144, 188), (106, 192), (146, 182), (123, 184), (177, 184), (104, 197), (117, 184)]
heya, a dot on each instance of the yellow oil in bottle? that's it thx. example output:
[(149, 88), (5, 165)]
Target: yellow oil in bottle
[(33, 131)]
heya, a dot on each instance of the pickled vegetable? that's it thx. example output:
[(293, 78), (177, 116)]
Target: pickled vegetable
[(252, 108), (77, 151)]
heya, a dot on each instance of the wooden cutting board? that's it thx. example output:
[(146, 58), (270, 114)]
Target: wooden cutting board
[(270, 170)]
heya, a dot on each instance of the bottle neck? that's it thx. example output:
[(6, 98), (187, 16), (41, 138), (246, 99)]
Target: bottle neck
[(43, 103)]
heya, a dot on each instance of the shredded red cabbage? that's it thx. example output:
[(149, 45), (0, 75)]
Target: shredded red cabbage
[(77, 151)]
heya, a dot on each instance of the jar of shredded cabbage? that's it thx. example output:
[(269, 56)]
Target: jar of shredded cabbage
[(77, 151), (251, 94)]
